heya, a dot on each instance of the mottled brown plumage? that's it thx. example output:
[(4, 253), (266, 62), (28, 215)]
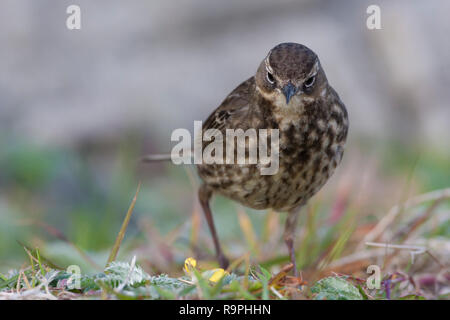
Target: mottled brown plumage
[(289, 92)]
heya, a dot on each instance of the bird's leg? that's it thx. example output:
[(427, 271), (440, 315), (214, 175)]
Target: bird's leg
[(204, 195), (289, 235)]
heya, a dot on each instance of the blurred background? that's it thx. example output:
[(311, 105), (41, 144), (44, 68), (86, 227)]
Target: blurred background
[(78, 108)]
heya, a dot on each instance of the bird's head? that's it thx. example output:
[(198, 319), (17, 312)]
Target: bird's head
[(290, 71)]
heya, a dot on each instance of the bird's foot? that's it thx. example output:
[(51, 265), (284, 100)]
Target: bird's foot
[(296, 273), (223, 261)]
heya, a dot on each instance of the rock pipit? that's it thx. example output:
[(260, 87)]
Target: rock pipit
[(289, 92)]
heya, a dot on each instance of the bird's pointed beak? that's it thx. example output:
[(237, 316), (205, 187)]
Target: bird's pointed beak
[(289, 90)]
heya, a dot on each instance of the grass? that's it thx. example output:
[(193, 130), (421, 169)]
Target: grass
[(345, 229), (127, 280)]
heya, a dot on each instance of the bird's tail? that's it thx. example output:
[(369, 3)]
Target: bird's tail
[(163, 157), (156, 157)]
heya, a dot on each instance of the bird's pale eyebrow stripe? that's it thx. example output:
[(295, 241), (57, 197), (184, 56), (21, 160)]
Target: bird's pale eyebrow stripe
[(266, 61), (314, 69)]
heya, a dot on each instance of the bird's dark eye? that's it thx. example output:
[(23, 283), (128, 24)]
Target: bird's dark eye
[(309, 82), (270, 78)]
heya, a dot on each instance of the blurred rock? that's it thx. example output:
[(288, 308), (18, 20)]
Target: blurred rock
[(160, 65)]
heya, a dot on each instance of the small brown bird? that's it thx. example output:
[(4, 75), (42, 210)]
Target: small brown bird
[(289, 92)]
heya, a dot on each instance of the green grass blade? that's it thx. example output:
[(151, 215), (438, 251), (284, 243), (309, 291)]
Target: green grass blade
[(123, 229)]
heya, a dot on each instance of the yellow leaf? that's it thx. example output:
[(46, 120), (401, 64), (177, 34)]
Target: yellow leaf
[(189, 264), (217, 275)]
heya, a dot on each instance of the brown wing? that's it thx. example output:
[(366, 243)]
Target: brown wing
[(234, 108)]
